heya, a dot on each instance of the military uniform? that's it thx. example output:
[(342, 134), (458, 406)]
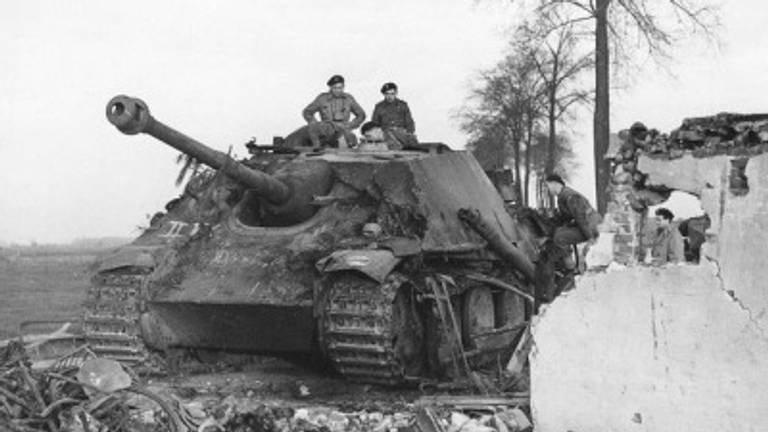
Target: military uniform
[(576, 222), (395, 118), (335, 113), (394, 114), (668, 246)]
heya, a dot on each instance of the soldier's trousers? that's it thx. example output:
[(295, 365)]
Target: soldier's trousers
[(557, 249), (329, 134), (565, 237)]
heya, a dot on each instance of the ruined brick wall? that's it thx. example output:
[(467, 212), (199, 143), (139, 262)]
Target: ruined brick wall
[(733, 136), (680, 347), (623, 222)]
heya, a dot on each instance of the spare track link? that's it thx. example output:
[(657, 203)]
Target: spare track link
[(112, 308), (358, 332)]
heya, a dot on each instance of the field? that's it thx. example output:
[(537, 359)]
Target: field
[(43, 286)]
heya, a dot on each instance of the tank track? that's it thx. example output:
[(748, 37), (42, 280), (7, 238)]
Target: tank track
[(111, 320), (358, 331)]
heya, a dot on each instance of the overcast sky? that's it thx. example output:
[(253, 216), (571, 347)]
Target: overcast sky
[(223, 72)]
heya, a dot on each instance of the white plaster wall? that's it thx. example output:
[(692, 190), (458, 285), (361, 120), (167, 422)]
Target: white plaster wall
[(742, 242), (739, 223), (648, 349), (706, 178)]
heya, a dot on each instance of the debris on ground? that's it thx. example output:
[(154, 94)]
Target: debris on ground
[(81, 392), (78, 393), (494, 420)]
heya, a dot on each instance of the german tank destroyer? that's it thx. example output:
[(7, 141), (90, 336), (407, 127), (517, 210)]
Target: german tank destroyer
[(392, 265)]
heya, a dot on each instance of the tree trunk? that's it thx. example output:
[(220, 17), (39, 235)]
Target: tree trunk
[(528, 142), (552, 143), (517, 138), (552, 117), (602, 126)]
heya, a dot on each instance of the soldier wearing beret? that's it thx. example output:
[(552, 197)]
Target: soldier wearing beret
[(668, 246), (335, 108), (576, 222), (394, 116), (375, 138)]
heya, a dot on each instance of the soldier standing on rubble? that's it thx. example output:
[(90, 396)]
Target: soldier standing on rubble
[(335, 107), (576, 222), (394, 116), (668, 245)]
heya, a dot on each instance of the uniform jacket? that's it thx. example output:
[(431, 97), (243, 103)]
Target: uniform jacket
[(668, 246), (335, 109), (575, 209), (394, 114)]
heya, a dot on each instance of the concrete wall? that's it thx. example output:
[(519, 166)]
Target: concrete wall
[(664, 349), (647, 349)]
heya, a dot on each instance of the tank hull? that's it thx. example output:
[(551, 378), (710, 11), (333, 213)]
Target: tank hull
[(238, 327)]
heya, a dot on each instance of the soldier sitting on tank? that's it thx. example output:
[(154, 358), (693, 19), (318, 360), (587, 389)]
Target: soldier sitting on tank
[(374, 138), (394, 116), (335, 107), (576, 222)]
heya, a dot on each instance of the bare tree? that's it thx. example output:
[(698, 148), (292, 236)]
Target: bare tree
[(498, 109), (560, 66), (620, 24), (505, 112), (538, 80)]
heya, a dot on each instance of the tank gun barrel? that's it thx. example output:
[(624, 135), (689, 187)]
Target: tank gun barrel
[(131, 116)]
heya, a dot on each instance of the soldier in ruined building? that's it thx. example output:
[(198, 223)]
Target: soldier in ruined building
[(668, 247)]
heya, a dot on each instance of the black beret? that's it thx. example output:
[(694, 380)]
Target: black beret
[(388, 86), (638, 126), (666, 214), (555, 178), (368, 126), (336, 79)]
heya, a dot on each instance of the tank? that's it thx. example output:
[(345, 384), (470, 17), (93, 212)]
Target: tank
[(393, 266)]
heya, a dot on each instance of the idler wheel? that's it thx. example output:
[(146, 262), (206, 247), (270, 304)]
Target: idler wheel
[(478, 314)]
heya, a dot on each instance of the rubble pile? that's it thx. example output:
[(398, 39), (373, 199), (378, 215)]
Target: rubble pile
[(731, 134), (233, 416), (245, 412), (725, 133), (78, 393), (244, 416)]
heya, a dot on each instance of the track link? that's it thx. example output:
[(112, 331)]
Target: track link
[(112, 308), (358, 333)]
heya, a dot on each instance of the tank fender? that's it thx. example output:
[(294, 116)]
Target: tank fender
[(374, 263), (127, 256)]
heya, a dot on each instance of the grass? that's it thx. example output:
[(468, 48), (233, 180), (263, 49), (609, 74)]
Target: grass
[(42, 287)]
